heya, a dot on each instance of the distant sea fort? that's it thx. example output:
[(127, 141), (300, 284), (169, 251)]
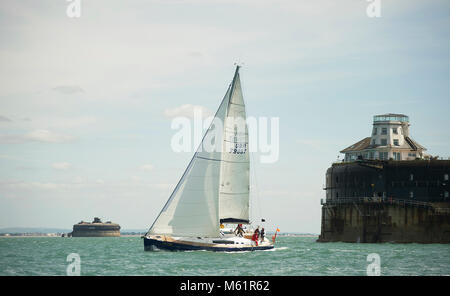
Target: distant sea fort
[(387, 189), (95, 229)]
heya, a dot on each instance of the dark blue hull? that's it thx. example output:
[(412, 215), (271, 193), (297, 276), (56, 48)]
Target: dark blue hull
[(153, 244)]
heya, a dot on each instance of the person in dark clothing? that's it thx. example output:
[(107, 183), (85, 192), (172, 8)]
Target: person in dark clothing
[(262, 234), (239, 231)]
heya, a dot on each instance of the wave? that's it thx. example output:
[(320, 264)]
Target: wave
[(277, 249)]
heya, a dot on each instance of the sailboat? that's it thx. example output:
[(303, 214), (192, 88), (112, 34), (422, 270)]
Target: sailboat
[(214, 189)]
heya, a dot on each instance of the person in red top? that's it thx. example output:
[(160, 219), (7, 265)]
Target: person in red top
[(256, 236)]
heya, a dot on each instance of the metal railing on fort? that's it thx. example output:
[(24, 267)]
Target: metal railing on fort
[(371, 199), (386, 200), (442, 211)]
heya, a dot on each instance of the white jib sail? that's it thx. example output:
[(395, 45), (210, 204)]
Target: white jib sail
[(235, 168)]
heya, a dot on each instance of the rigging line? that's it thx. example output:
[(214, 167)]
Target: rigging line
[(252, 158), (231, 130), (256, 186), (213, 159), (228, 141)]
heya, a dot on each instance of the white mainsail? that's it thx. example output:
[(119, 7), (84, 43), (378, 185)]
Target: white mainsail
[(215, 184), (234, 175)]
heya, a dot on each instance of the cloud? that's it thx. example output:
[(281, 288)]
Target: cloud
[(4, 119), (44, 136), (196, 54), (146, 167), (61, 165), (163, 186), (188, 110), (20, 185), (11, 139), (316, 144), (68, 123), (47, 136), (68, 89), (79, 183), (6, 156)]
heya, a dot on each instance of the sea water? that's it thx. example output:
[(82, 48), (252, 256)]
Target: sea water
[(291, 256)]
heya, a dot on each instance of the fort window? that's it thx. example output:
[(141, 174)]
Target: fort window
[(383, 155), (394, 131), (396, 142), (383, 142), (445, 177), (411, 177), (411, 194), (446, 195), (375, 130), (384, 131)]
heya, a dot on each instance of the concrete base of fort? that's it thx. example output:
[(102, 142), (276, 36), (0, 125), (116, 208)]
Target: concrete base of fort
[(96, 229), (96, 233), (378, 222)]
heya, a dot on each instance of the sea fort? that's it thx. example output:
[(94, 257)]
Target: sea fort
[(387, 189)]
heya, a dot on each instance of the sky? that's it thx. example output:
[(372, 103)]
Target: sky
[(86, 103)]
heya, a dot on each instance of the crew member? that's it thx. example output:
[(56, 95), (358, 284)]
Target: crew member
[(239, 231), (256, 236)]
